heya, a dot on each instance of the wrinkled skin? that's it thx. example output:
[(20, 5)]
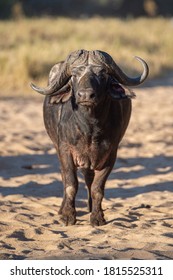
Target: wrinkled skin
[(86, 120)]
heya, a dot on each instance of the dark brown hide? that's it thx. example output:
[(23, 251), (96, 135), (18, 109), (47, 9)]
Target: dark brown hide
[(86, 119), (88, 144)]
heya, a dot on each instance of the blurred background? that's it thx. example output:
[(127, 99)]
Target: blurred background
[(34, 35), (80, 8)]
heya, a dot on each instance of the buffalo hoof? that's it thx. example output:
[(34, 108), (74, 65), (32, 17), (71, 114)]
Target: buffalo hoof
[(97, 219), (68, 217)]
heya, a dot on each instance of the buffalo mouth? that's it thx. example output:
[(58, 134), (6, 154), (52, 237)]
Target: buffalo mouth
[(87, 103)]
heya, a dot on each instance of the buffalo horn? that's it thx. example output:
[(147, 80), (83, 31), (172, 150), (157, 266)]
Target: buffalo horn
[(61, 79), (64, 74), (106, 60), (127, 81)]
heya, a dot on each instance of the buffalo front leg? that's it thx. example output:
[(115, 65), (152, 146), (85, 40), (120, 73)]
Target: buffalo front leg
[(97, 194), (89, 176), (69, 177)]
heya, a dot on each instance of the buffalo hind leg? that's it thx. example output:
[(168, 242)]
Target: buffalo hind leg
[(89, 176)]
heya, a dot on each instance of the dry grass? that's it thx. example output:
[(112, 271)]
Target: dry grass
[(30, 47)]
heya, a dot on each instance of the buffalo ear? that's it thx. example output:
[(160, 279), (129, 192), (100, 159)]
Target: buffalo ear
[(118, 92), (115, 90), (61, 98)]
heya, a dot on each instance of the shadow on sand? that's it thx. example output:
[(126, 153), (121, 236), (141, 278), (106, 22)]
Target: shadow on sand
[(22, 165)]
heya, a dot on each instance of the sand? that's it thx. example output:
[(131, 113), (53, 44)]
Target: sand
[(138, 203)]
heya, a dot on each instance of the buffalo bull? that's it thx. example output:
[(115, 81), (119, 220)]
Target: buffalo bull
[(87, 109)]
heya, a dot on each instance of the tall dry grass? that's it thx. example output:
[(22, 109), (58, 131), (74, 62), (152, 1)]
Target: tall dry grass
[(29, 47)]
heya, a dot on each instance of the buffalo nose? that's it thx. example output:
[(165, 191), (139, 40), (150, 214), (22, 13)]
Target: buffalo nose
[(84, 95)]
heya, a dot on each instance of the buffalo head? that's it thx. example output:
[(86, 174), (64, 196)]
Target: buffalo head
[(90, 76)]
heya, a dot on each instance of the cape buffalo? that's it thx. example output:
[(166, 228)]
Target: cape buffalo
[(87, 109)]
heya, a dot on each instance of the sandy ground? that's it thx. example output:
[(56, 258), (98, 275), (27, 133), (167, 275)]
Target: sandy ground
[(138, 200)]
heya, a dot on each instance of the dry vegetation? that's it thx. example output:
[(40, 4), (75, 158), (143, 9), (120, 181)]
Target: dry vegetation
[(30, 46)]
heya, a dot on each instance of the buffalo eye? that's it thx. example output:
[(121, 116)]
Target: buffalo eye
[(68, 89), (101, 76)]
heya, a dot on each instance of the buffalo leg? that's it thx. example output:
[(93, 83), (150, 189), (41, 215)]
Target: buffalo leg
[(70, 182), (97, 194), (89, 176)]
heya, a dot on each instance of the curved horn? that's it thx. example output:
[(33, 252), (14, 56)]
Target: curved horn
[(106, 60), (45, 91), (63, 73), (127, 81), (61, 78)]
